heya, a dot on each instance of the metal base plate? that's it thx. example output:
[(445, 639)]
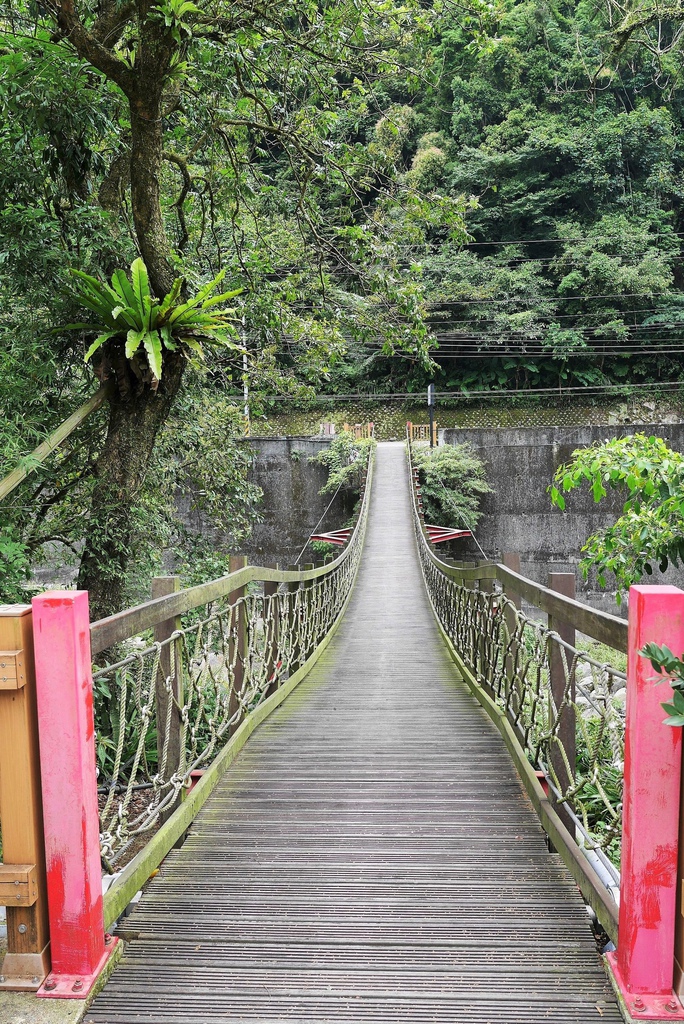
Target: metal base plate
[(75, 986), (24, 972), (641, 1006)]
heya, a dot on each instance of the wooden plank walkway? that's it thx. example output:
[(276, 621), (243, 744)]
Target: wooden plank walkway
[(371, 856)]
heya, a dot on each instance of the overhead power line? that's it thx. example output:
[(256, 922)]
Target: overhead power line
[(421, 246), (554, 298), (419, 397), (580, 238), (567, 316), (542, 353)]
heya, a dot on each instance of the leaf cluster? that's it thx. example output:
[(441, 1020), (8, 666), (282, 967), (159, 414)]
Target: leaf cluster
[(651, 526), (453, 481), (346, 459), (128, 311), (664, 661)]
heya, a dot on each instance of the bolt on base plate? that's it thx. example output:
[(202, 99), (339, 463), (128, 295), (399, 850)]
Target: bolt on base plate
[(636, 1007), (75, 986)]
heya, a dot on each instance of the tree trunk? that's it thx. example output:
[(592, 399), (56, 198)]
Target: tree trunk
[(153, 61), (120, 473), (136, 412), (148, 218)]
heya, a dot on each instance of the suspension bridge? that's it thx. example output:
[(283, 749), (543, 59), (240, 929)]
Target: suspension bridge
[(373, 790)]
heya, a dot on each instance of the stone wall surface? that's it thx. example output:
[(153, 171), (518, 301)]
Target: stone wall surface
[(291, 506), (519, 517)]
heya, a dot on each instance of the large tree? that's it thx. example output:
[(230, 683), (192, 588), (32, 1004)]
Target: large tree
[(229, 140)]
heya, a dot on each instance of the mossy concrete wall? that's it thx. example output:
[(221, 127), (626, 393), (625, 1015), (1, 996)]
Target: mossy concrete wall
[(292, 506), (519, 516)]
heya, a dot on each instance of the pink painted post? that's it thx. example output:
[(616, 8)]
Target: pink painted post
[(67, 754), (644, 963)]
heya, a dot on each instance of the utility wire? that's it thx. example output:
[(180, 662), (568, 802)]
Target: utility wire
[(569, 316), (554, 298), (546, 241)]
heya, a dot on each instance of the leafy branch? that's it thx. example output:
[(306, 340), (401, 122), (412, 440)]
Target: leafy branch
[(651, 527), (663, 660)]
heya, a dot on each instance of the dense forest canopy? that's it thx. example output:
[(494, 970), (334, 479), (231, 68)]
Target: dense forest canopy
[(493, 186)]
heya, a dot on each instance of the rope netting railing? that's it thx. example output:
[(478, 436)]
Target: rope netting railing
[(566, 706), (166, 707)]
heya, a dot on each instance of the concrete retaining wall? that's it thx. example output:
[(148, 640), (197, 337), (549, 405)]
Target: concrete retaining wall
[(519, 516), (291, 505)]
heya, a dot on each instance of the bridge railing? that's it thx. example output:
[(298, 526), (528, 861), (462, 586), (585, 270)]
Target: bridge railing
[(601, 767), (229, 645), (179, 684), (563, 708), (190, 669)]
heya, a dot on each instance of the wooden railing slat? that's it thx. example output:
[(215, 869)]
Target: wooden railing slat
[(608, 629), (18, 475), (132, 621)]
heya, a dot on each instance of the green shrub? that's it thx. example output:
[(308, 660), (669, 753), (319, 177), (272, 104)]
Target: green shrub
[(453, 481), (346, 459)]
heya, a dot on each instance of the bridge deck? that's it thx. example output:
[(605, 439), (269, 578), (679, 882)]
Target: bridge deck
[(371, 856)]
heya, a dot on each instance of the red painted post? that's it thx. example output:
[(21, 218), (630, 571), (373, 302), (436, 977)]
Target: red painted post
[(66, 729), (643, 965)]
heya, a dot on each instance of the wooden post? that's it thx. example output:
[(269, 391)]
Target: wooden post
[(22, 874), (563, 583), (643, 966), (272, 632), (307, 624), (293, 618), (237, 647), (485, 587), (64, 687), (171, 670), (512, 561)]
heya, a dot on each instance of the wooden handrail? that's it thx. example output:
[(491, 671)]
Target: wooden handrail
[(18, 475), (602, 626), (133, 621)]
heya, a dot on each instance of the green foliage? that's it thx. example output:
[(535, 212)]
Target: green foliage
[(453, 480), (651, 527), (323, 549), (15, 568), (197, 504), (602, 653), (108, 726), (128, 312), (346, 459), (329, 158), (664, 661), (595, 756)]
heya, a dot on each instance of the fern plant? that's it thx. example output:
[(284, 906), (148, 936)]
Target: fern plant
[(127, 311)]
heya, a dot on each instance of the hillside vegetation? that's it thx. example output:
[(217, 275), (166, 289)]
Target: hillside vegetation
[(485, 195)]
